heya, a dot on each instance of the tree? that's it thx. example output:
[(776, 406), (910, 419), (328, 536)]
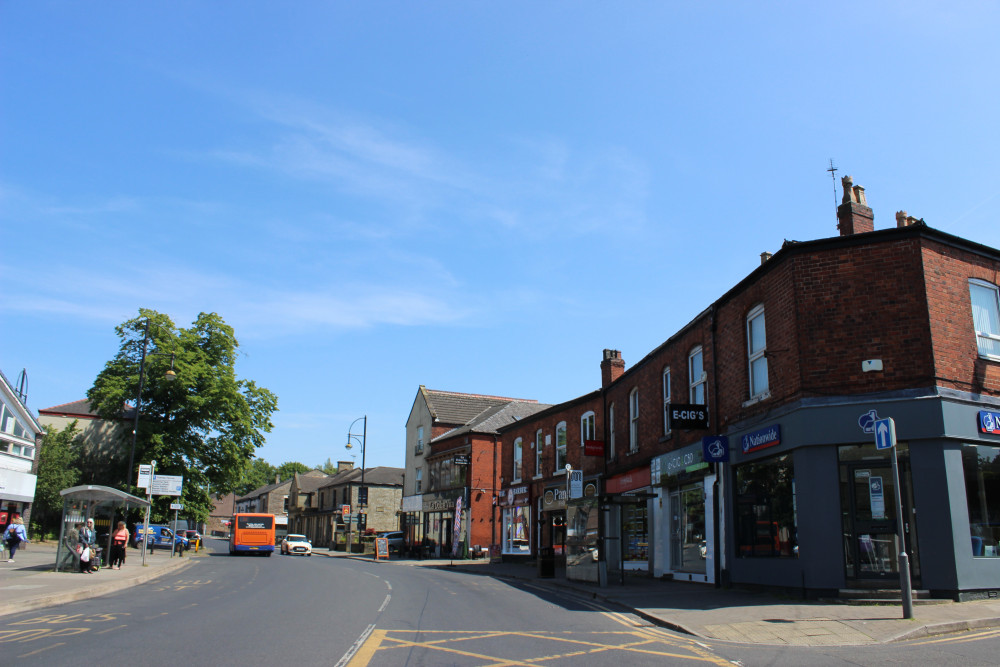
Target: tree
[(58, 469), (205, 425), (329, 468), (259, 473), (289, 468)]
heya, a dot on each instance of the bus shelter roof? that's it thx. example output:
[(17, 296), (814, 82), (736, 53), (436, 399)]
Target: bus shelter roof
[(98, 494)]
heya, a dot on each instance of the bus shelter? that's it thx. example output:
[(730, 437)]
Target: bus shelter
[(101, 503)]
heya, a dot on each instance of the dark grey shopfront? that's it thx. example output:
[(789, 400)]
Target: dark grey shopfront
[(810, 501)]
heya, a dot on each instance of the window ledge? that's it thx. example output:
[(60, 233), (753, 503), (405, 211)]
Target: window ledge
[(989, 357), (757, 399), (537, 477), (561, 471)]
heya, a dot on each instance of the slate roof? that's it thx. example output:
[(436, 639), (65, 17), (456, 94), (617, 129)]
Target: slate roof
[(267, 488), (79, 408), (448, 407), (309, 484), (379, 476), (490, 420)]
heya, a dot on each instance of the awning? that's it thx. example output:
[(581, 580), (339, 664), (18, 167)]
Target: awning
[(97, 494)]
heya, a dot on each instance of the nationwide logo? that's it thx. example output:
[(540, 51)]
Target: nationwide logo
[(767, 437), (989, 422)]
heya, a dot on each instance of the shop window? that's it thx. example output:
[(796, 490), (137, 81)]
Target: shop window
[(518, 459), (986, 317), (765, 509), (982, 491), (756, 349), (635, 532), (666, 401), (538, 453), (587, 430), (560, 448), (633, 421), (516, 529)]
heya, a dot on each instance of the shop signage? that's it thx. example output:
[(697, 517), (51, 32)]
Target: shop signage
[(554, 498), (575, 484), (687, 459), (514, 491), (629, 481), (593, 448), (867, 421), (715, 448), (688, 416), (765, 437), (441, 503), (876, 493), (989, 422), (590, 490), (461, 459)]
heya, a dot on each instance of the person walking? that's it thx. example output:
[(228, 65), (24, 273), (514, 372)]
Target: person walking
[(119, 540), (14, 536)]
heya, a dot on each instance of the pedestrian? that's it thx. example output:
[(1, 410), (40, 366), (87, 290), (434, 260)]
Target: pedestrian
[(86, 559), (119, 539), (87, 534), (14, 536)]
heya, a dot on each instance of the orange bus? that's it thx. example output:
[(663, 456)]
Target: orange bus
[(251, 533)]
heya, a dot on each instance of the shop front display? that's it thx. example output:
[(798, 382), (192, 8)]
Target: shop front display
[(515, 521), (687, 519)]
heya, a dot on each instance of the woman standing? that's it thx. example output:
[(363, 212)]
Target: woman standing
[(119, 539), (14, 535)]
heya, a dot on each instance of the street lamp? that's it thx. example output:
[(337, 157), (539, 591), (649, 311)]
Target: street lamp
[(363, 491), (169, 375)]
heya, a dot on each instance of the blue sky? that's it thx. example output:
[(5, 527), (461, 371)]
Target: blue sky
[(472, 196)]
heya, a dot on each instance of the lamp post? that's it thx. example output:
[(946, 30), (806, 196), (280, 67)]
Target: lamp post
[(169, 375), (363, 491)]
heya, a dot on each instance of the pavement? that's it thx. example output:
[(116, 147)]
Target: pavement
[(701, 610)]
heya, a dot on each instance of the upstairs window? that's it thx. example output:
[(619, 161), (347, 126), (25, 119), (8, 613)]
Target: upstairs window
[(419, 480), (420, 440), (611, 432), (587, 428), (696, 377), (756, 347), (666, 401), (986, 317), (633, 420), (560, 447), (518, 459), (538, 452)]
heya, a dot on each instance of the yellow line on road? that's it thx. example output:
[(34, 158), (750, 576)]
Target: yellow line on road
[(961, 639)]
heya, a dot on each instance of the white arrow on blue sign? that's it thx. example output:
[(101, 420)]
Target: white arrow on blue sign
[(885, 434)]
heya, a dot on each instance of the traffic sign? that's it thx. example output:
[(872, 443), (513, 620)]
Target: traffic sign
[(166, 485), (176, 506), (885, 433)]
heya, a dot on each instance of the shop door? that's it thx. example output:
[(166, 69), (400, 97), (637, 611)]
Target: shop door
[(871, 542), (687, 530)]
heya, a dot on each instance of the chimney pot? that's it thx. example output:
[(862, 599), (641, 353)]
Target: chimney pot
[(853, 215), (764, 256)]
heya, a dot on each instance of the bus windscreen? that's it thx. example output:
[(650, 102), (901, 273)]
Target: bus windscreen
[(254, 522)]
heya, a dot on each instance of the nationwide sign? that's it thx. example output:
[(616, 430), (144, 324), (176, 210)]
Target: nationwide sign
[(688, 416), (989, 422), (765, 437)]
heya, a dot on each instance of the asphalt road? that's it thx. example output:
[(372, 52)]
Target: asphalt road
[(319, 611)]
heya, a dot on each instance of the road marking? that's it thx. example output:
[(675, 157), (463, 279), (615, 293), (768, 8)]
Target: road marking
[(385, 603), (360, 649), (41, 650), (112, 629), (960, 639)]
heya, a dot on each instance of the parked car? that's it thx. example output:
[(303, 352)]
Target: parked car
[(159, 536), (296, 544), (397, 541)]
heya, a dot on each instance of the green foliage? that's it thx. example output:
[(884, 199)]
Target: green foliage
[(329, 468), (205, 425), (289, 468), (58, 461), (258, 473)]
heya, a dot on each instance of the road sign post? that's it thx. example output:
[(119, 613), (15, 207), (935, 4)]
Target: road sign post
[(885, 438)]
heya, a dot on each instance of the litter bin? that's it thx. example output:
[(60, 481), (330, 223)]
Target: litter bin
[(546, 562)]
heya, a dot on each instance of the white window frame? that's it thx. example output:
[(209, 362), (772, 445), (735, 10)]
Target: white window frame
[(988, 318), (539, 443), (611, 432), (588, 427), (420, 440), (560, 461), (700, 382), (757, 359), (666, 400), (518, 459), (633, 420)]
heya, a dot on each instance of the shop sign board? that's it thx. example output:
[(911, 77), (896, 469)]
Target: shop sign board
[(593, 448), (575, 484), (715, 448), (876, 493), (629, 481), (683, 415), (510, 495), (760, 439), (989, 422)]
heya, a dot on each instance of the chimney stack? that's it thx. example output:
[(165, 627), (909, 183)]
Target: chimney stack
[(345, 465), (904, 220), (612, 367), (853, 215), (764, 256)]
